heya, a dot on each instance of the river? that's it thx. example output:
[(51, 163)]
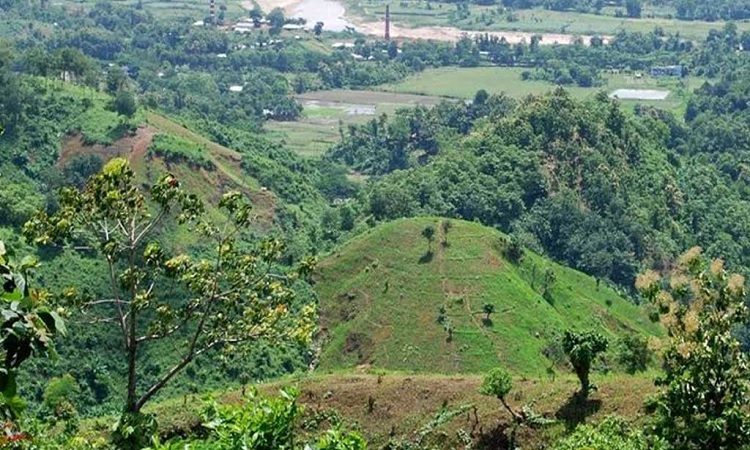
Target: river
[(334, 17)]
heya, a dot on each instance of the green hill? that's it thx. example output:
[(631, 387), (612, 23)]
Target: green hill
[(381, 295)]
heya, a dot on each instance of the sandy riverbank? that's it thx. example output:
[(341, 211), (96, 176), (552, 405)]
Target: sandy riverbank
[(333, 14)]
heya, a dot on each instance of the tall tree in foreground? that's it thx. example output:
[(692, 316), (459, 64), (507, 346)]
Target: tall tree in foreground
[(703, 403), (232, 295), (582, 349)]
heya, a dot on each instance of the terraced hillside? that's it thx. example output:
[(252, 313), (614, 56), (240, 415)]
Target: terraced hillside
[(393, 300)]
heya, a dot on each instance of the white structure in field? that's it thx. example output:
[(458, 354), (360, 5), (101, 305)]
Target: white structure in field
[(639, 94)]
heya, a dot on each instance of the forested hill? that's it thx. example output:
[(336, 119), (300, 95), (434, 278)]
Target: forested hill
[(65, 134), (460, 300), (585, 182)]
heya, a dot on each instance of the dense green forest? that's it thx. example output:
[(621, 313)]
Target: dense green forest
[(138, 170)]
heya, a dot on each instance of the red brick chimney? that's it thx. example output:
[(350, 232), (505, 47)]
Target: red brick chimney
[(387, 22)]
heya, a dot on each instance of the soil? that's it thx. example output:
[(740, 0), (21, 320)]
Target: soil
[(133, 147)]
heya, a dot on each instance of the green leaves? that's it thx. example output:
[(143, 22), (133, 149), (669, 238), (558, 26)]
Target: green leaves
[(26, 328), (582, 348), (705, 385), (229, 295), (612, 434), (260, 424), (497, 383)]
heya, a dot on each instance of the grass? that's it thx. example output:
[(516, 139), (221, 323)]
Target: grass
[(381, 294), (404, 404), (324, 111), (464, 82), (168, 9), (229, 174), (174, 148), (492, 18), (307, 137)]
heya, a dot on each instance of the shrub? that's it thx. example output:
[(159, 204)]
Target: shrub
[(260, 424), (175, 149), (611, 434), (497, 383), (582, 349), (514, 250), (633, 353), (338, 439)]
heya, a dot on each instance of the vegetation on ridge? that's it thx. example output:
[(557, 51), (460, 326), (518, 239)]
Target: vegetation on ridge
[(387, 300)]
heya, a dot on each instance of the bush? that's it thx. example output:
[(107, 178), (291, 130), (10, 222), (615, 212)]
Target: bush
[(338, 439), (175, 149), (260, 424), (60, 396), (514, 250), (633, 353), (611, 434)]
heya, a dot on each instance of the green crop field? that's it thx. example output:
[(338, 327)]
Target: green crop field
[(325, 111), (495, 18), (168, 9), (382, 293), (464, 83)]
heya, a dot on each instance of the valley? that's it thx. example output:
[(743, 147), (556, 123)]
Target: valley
[(262, 225)]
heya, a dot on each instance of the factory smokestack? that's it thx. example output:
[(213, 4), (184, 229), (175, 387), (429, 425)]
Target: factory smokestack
[(387, 22)]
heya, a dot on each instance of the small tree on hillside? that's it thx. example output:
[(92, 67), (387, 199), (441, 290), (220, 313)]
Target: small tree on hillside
[(704, 397), (488, 308), (230, 297), (125, 103), (497, 383), (429, 234), (318, 28), (582, 349), (513, 250), (446, 226), (633, 353)]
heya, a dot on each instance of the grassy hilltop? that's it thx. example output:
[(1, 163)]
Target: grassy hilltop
[(381, 295)]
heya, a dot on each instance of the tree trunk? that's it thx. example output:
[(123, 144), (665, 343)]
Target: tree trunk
[(131, 401), (517, 418), (583, 377)]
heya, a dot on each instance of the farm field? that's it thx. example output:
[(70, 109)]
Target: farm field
[(169, 9), (325, 111), (464, 82), (493, 18)]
